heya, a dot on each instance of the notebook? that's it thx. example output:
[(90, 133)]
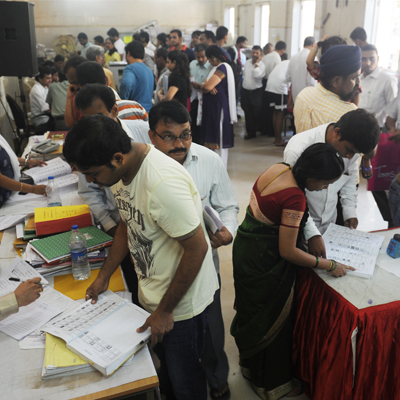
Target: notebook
[(49, 220), (55, 248)]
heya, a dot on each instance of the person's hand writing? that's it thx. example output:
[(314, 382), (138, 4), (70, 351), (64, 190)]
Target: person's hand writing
[(160, 323), (39, 189), (395, 137), (220, 238), (316, 246), (27, 292), (351, 223), (341, 270), (98, 286), (35, 163)]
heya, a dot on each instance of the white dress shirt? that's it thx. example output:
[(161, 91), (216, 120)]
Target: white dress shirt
[(270, 61), (151, 47), (120, 46), (378, 89), (101, 200), (298, 74), (277, 79), (215, 188), (322, 204), (253, 75), (393, 111), (38, 96)]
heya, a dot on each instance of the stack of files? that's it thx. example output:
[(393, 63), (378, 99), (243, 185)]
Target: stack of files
[(55, 249), (96, 261), (50, 220), (29, 228), (59, 361), (58, 168), (87, 333)]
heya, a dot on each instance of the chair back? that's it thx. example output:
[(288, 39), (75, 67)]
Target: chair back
[(18, 114)]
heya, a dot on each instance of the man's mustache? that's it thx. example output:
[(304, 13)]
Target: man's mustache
[(178, 150)]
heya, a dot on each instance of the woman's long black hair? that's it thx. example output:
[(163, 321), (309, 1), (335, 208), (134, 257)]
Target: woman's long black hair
[(320, 161), (113, 50), (216, 52), (181, 67)]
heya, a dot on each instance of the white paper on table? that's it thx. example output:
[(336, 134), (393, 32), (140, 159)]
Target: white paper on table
[(31, 256), (352, 247), (56, 167), (19, 231), (6, 247), (17, 269), (10, 221)]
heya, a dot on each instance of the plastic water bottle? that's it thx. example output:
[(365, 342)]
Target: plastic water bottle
[(53, 193), (80, 263)]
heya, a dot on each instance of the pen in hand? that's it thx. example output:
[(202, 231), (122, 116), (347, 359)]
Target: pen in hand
[(24, 280)]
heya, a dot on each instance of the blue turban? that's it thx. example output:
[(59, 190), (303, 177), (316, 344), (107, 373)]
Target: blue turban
[(341, 60)]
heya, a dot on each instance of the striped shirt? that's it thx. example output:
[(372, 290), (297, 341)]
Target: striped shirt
[(129, 109), (316, 106)]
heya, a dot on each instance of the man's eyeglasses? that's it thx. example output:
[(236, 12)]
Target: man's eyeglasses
[(170, 139)]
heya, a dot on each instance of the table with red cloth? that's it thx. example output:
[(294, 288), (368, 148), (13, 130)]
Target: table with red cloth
[(347, 332)]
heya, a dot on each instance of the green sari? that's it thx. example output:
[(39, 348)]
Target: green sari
[(262, 327)]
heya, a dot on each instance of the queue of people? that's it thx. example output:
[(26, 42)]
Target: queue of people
[(152, 156)]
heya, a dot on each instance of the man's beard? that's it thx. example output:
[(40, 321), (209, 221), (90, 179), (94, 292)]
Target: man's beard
[(349, 96)]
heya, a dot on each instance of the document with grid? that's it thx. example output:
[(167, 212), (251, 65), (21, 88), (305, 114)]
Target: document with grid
[(352, 247), (104, 334)]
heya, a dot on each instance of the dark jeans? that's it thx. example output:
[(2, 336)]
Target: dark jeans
[(181, 375), (251, 102), (196, 129), (131, 278), (267, 114), (382, 201)]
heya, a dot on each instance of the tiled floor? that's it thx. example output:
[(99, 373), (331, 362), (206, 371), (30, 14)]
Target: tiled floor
[(247, 160)]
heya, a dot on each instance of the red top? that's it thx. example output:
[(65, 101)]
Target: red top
[(285, 207)]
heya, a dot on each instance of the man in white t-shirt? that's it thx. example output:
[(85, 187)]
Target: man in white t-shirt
[(119, 43), (170, 133), (162, 227), (277, 94), (41, 113), (270, 61)]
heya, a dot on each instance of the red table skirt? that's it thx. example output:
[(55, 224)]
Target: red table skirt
[(322, 352)]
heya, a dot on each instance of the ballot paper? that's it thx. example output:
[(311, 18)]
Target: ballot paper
[(35, 315), (86, 331), (352, 247), (211, 219)]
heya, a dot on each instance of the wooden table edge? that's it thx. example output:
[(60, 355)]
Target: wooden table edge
[(122, 390)]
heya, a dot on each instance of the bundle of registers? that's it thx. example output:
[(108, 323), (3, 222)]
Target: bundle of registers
[(77, 336), (42, 239)]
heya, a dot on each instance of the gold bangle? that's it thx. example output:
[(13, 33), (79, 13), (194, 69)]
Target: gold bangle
[(22, 185)]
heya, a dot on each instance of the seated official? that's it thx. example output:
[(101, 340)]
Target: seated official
[(41, 114), (10, 173), (26, 293)]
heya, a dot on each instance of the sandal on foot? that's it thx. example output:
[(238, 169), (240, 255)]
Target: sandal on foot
[(215, 393), (365, 172)]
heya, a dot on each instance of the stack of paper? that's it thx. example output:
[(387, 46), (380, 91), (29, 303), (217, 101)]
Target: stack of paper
[(49, 220), (59, 361), (56, 248), (104, 334), (354, 248)]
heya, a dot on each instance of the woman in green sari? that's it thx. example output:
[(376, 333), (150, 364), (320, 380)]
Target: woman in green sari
[(266, 251)]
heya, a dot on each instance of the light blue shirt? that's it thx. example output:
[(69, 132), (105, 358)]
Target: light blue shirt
[(214, 185), (85, 47), (199, 72)]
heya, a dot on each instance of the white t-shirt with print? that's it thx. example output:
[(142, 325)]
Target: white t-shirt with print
[(160, 207)]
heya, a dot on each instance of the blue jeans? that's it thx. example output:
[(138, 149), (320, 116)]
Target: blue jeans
[(394, 201), (181, 375)]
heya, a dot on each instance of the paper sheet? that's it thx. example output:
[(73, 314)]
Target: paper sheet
[(10, 221), (6, 247), (19, 231), (352, 247), (56, 167)]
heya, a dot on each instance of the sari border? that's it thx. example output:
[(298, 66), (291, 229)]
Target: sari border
[(276, 393)]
